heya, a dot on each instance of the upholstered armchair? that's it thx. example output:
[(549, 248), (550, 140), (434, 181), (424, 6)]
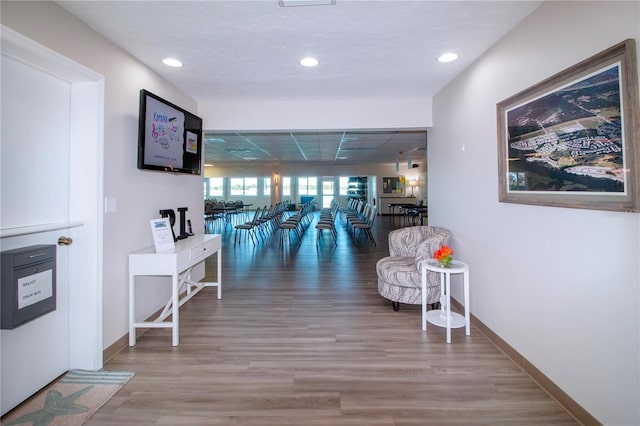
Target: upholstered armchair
[(399, 278)]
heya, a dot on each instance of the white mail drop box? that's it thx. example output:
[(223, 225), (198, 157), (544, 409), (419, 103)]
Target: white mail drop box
[(28, 287)]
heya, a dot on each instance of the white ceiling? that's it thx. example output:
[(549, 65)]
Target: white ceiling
[(250, 50)]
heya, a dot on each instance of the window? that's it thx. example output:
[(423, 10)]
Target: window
[(302, 185), (344, 185), (251, 186), (247, 186), (308, 185), (286, 186), (213, 187), (267, 186), (237, 186)]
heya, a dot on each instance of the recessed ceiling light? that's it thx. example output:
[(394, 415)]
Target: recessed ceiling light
[(286, 3), (172, 62), (208, 165), (309, 62), (448, 57)]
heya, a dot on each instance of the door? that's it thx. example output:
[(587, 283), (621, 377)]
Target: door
[(51, 187), (35, 190), (328, 191)]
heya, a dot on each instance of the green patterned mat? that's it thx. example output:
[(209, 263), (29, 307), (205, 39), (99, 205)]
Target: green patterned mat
[(70, 401)]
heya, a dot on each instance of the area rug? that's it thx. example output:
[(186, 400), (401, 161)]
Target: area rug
[(71, 400)]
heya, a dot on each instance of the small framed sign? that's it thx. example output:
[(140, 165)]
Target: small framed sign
[(162, 234)]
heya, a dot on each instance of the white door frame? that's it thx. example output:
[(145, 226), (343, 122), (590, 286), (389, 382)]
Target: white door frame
[(85, 192), (332, 179)]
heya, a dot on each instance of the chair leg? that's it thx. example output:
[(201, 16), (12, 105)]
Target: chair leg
[(396, 305), (370, 235)]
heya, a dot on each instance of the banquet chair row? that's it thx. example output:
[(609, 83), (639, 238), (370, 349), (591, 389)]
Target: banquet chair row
[(264, 222), (358, 218), (327, 221), (298, 223)]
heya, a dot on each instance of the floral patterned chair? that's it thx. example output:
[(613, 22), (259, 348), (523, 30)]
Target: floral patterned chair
[(399, 278)]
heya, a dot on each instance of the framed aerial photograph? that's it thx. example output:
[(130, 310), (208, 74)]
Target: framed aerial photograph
[(572, 139)]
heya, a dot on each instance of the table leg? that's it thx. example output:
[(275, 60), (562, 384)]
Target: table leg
[(443, 299), (220, 274), (424, 299), (448, 312), (467, 308), (175, 292), (132, 309), (186, 280)]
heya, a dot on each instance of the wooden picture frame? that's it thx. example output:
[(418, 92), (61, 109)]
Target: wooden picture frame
[(572, 139)]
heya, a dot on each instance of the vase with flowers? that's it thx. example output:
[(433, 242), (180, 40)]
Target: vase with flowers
[(444, 256)]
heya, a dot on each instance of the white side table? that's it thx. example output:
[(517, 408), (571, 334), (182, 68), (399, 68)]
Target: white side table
[(443, 317)]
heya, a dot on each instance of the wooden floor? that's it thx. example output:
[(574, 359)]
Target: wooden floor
[(301, 337)]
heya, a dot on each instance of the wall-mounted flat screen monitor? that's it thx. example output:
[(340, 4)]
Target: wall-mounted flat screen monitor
[(169, 137)]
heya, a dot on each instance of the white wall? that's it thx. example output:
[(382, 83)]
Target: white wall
[(414, 113), (559, 285), (139, 195)]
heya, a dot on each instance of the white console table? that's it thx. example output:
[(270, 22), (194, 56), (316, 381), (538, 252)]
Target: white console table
[(176, 263)]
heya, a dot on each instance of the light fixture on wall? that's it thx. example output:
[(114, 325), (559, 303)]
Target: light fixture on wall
[(276, 179), (413, 183)]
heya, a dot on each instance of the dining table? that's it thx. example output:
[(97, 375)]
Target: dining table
[(402, 207)]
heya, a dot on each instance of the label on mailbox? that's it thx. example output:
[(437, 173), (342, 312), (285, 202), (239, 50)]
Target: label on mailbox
[(35, 288)]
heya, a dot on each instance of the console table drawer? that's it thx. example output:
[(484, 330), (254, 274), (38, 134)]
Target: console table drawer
[(202, 251)]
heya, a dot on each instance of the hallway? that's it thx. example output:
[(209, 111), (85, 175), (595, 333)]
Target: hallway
[(301, 337)]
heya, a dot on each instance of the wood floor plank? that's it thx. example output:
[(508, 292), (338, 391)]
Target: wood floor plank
[(301, 337)]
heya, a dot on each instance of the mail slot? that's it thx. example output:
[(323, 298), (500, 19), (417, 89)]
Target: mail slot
[(28, 286)]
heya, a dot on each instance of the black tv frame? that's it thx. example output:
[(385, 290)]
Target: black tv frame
[(191, 161)]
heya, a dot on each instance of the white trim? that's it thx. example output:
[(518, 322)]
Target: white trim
[(24, 50), (34, 229), (86, 192)]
